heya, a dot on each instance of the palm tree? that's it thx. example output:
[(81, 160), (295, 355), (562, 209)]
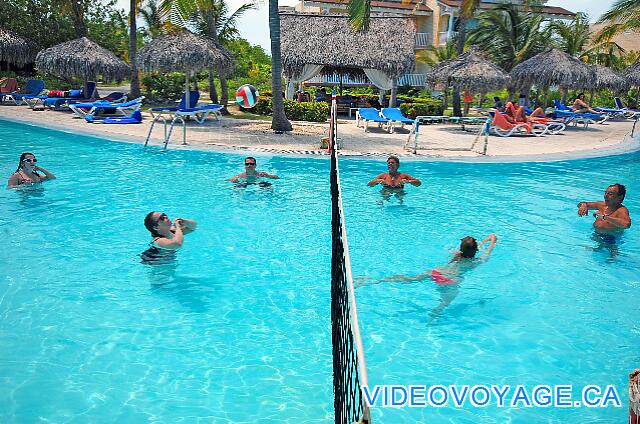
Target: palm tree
[(75, 9), (212, 19), (466, 11), (279, 122), (573, 37), (134, 6), (152, 17), (624, 15), (435, 55), (510, 36)]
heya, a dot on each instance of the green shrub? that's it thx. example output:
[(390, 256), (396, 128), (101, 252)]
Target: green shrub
[(421, 107), (159, 87), (295, 111)]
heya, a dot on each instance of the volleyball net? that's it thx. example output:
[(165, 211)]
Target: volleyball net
[(349, 367)]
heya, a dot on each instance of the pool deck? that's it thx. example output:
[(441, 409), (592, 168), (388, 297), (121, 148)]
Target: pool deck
[(436, 142)]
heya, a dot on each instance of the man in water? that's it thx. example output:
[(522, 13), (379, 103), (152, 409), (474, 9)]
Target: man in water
[(394, 179), (610, 216), (250, 175)]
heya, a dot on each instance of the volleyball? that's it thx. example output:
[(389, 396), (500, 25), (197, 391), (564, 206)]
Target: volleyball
[(247, 96)]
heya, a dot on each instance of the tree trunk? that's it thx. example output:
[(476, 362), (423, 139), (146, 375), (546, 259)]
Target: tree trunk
[(224, 92), (213, 93), (564, 92), (279, 123), (445, 99), (78, 19), (462, 38), (133, 48), (394, 93)]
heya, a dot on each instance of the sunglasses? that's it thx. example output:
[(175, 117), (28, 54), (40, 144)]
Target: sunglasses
[(249, 164), (162, 217), (34, 160)]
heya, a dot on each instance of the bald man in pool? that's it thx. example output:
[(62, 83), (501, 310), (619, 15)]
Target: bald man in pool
[(611, 215)]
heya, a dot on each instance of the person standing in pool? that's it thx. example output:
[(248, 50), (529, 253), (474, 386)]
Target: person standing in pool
[(394, 179), (27, 172), (611, 216), (250, 175), (167, 237)]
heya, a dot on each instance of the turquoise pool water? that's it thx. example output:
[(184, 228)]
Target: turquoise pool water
[(239, 330)]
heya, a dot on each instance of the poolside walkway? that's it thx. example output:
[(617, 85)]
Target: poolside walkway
[(440, 142)]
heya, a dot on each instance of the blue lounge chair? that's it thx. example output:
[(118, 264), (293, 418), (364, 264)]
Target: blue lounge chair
[(105, 107), (628, 112), (394, 114), (199, 114), (194, 96), (134, 118), (81, 97), (33, 88), (563, 111), (369, 114)]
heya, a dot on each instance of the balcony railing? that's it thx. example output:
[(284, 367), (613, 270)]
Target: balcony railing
[(414, 80), (422, 40), (444, 36)]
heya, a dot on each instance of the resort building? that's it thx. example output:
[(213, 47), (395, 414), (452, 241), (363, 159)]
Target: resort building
[(436, 23)]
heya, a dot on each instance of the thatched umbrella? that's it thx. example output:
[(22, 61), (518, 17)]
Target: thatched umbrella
[(632, 75), (469, 71), (82, 58), (15, 49), (184, 51), (552, 67), (607, 78)]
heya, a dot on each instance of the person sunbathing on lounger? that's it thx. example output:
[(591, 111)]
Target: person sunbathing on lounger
[(580, 106)]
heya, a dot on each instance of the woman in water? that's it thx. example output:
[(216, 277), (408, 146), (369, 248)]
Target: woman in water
[(449, 275), (27, 172), (167, 236)]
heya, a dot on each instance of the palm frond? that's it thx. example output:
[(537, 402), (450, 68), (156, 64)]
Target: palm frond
[(359, 14)]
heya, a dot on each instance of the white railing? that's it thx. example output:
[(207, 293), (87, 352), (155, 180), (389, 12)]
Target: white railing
[(444, 36), (422, 39), (414, 80)]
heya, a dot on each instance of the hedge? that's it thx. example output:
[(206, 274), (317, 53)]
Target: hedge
[(295, 111), (422, 107)]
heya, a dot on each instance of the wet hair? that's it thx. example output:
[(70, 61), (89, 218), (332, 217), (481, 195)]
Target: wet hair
[(251, 157), (579, 95), (150, 224), (468, 247), (22, 157), (622, 190), (395, 158)]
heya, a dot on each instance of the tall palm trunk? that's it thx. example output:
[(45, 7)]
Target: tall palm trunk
[(78, 19), (133, 48), (279, 122), (213, 93), (462, 38), (224, 92)]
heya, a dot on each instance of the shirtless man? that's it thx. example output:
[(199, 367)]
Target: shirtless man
[(250, 175), (611, 215), (394, 179)]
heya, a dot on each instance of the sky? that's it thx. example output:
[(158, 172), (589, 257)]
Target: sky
[(254, 24)]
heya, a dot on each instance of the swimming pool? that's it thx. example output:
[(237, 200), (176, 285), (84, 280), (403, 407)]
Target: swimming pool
[(239, 331)]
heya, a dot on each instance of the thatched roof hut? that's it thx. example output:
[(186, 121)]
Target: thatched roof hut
[(330, 41), (608, 78), (82, 58), (15, 49), (184, 51), (469, 71), (552, 67), (632, 74)]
